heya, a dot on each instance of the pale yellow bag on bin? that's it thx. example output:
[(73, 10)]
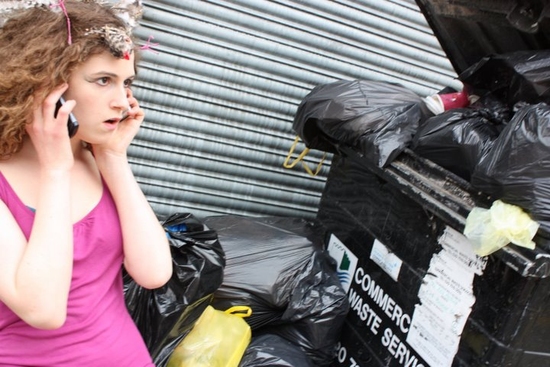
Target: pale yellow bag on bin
[(491, 229), (218, 339)]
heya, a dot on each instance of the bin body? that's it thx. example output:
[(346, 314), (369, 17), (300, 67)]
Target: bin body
[(418, 295)]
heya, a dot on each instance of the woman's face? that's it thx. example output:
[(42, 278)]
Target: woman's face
[(100, 86)]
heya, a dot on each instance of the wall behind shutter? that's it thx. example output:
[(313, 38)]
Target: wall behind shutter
[(221, 89)]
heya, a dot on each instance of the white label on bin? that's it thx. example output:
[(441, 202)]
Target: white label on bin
[(387, 260), (446, 300), (460, 248), (346, 261)]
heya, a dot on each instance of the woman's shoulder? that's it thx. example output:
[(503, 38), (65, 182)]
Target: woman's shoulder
[(20, 178), (4, 184)]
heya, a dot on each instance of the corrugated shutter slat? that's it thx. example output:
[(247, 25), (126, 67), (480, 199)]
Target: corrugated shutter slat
[(221, 93)]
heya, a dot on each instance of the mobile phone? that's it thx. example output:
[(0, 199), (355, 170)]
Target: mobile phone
[(72, 123)]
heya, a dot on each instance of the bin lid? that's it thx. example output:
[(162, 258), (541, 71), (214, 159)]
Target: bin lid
[(469, 30)]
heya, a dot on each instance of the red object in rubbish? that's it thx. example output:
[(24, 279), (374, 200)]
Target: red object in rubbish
[(454, 100), (439, 103)]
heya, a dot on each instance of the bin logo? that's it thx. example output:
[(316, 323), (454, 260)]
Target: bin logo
[(346, 261)]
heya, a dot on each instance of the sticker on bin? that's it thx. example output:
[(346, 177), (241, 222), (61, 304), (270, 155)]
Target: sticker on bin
[(346, 261), (446, 300), (387, 260), (461, 249)]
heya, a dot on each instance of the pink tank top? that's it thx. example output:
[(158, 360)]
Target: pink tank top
[(99, 331)]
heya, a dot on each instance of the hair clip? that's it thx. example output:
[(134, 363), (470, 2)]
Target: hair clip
[(118, 40)]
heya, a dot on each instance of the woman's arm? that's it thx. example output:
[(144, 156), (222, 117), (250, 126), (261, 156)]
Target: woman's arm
[(146, 249), (147, 255), (35, 276)]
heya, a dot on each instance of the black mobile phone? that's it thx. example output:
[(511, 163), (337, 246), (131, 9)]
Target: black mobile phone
[(72, 123)]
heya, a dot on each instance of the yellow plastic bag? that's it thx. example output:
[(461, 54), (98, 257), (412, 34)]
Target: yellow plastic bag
[(491, 229), (218, 339)]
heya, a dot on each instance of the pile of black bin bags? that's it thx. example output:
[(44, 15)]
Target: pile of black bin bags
[(164, 316), (276, 266), (500, 143)]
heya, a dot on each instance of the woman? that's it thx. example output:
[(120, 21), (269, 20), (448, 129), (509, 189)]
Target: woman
[(71, 211)]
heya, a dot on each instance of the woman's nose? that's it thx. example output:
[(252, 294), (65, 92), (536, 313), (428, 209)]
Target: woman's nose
[(120, 99)]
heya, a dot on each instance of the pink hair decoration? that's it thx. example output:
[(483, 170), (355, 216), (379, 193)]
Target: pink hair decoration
[(61, 4), (148, 46)]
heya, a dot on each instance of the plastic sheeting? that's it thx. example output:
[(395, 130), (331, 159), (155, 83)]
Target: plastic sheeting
[(522, 76), (270, 350), (376, 119), (517, 168), (277, 267), (456, 139)]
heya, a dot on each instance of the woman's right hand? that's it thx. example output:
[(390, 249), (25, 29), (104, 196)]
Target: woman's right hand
[(36, 271), (49, 134)]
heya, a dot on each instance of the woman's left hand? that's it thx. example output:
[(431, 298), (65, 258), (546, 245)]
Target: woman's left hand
[(126, 131)]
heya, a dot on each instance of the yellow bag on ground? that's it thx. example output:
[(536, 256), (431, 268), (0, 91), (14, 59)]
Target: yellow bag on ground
[(218, 339)]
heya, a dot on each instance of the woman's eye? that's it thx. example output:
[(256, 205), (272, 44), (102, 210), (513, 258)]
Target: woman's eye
[(103, 81), (128, 83)]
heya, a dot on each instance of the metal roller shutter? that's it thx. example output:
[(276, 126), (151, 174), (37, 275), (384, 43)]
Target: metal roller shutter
[(221, 90)]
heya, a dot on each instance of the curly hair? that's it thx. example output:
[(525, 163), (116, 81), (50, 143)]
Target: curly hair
[(35, 57)]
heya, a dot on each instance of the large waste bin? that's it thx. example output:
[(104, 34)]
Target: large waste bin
[(419, 296)]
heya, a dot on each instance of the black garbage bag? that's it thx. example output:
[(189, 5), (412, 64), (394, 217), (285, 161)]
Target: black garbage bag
[(517, 167), (457, 139), (269, 350), (165, 315), (494, 109), (521, 76), (277, 266), (376, 119)]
